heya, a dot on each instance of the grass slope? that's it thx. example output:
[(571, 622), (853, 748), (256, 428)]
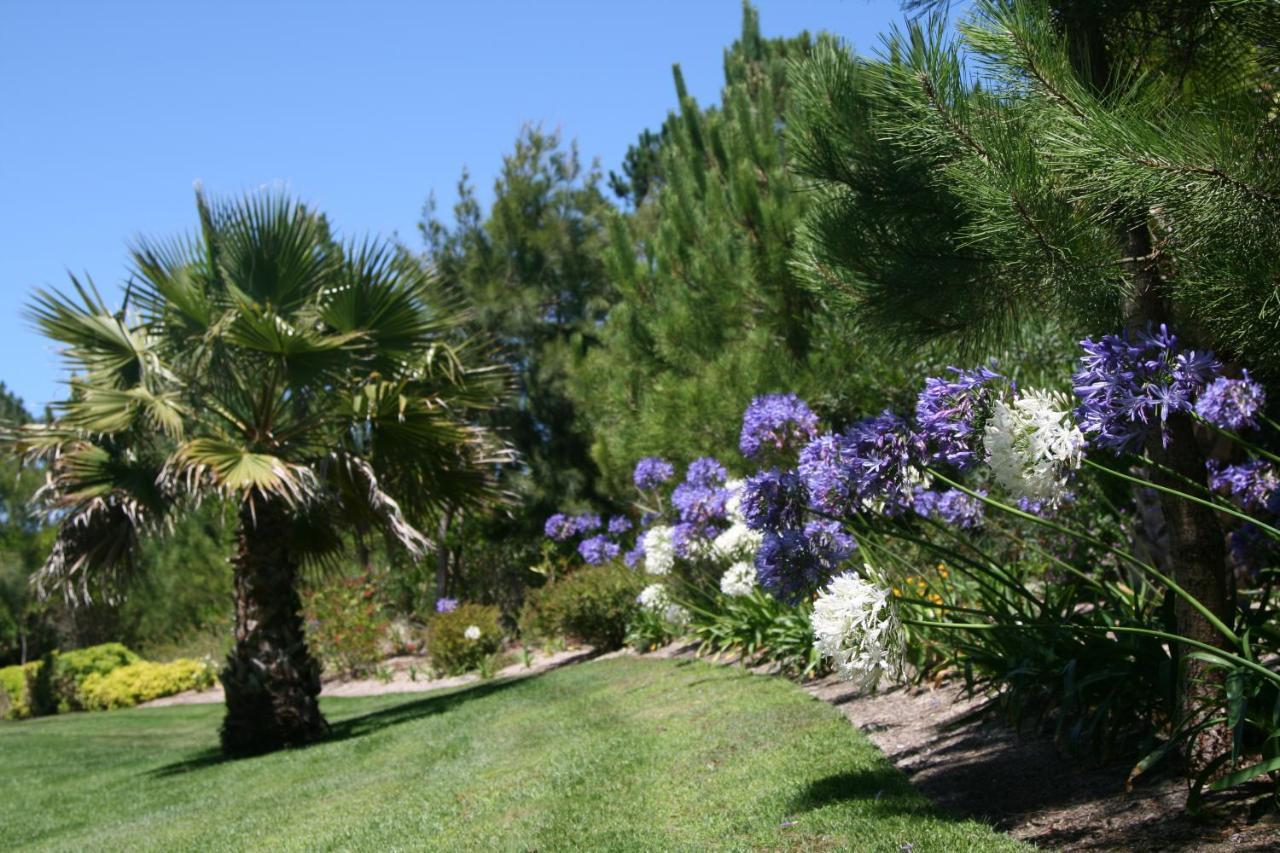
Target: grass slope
[(624, 754)]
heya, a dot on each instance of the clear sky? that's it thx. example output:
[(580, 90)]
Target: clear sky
[(109, 111)]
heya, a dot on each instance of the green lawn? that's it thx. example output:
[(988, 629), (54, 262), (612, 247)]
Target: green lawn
[(625, 754)]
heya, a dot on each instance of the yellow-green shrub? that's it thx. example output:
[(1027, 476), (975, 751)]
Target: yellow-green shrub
[(451, 650), (70, 669), (143, 681), (14, 704)]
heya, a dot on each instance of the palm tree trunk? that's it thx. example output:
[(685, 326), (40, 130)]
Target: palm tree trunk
[(271, 679)]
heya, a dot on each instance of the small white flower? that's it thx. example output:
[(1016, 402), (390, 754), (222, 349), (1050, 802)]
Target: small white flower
[(659, 551), (733, 506), (472, 632), (738, 542), (740, 579), (654, 597), (854, 624), (1033, 445)]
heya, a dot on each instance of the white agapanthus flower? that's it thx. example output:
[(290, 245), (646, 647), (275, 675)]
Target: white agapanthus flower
[(1033, 445), (659, 551), (737, 542), (733, 506), (472, 632), (654, 597), (739, 579), (855, 626)]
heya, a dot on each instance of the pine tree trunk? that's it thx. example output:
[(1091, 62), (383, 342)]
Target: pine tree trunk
[(1197, 556), (1197, 553), (271, 680)]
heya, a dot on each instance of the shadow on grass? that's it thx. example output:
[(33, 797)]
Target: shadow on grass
[(365, 724), (885, 788)]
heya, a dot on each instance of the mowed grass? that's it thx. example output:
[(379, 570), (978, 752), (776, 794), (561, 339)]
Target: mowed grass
[(622, 754)]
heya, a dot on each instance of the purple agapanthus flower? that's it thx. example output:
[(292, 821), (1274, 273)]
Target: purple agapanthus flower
[(1129, 384), (887, 453), (1232, 403), (774, 500), (778, 422), (951, 411), (636, 554), (559, 527), (585, 523), (690, 539), (706, 471), (828, 466), (699, 504), (619, 524), (1252, 485), (446, 605), (792, 563), (651, 472), (950, 506), (598, 549), (829, 542)]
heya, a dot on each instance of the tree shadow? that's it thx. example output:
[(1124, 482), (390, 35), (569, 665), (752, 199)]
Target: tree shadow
[(885, 787), (358, 726)]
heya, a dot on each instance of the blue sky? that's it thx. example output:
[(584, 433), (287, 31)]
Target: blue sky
[(110, 111)]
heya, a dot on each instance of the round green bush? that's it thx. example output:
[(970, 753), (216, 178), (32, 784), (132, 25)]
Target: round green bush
[(593, 605), (450, 649)]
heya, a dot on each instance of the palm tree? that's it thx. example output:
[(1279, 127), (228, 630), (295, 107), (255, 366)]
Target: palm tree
[(263, 363)]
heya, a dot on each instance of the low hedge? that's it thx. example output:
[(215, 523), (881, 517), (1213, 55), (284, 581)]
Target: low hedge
[(594, 605), (143, 681), (15, 703), (450, 649), (70, 669)]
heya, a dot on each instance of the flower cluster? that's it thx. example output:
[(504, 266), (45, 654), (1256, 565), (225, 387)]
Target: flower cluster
[(559, 527), (654, 598), (652, 472), (618, 525), (774, 500), (738, 579), (1128, 384), (659, 550), (855, 626), (598, 549), (888, 455), (950, 506), (1232, 403), (778, 422), (446, 605), (951, 413), (738, 542), (792, 562), (1253, 485), (1032, 445)]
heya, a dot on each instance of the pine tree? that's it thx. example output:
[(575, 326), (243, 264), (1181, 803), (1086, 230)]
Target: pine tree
[(1109, 164), (531, 270), (710, 311)]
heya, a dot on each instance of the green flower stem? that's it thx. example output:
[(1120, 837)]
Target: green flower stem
[(1245, 443), (1119, 629), (1225, 510), (1208, 614)]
